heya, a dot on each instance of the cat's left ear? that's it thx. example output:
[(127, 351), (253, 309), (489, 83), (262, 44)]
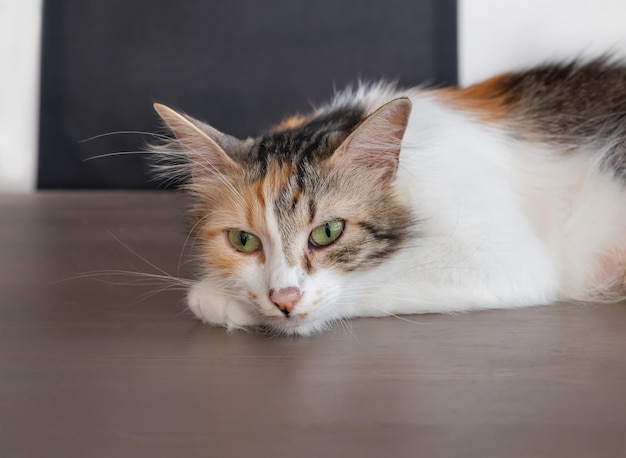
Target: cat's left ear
[(204, 145), (375, 143)]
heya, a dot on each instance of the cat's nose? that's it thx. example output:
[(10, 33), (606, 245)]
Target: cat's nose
[(285, 298)]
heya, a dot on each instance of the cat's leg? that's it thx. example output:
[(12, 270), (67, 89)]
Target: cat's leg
[(211, 305), (454, 278), (432, 296)]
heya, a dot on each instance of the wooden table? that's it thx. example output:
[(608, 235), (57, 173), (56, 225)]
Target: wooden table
[(92, 367)]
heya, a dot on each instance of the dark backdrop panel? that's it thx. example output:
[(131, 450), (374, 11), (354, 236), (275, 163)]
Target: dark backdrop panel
[(240, 65)]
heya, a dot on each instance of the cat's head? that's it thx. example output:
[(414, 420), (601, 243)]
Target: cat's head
[(287, 219)]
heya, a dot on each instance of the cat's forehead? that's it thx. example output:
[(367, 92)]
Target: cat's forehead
[(281, 167), (306, 139)]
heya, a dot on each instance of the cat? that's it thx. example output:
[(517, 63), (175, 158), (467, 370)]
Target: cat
[(387, 201)]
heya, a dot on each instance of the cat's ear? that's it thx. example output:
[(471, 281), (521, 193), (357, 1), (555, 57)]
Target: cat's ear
[(201, 142), (375, 143)]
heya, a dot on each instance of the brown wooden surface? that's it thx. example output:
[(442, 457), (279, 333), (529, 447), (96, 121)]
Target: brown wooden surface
[(90, 369)]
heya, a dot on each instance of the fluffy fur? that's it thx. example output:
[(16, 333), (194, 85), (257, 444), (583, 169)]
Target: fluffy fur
[(505, 194)]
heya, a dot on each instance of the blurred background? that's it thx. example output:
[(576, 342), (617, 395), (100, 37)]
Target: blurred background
[(77, 69)]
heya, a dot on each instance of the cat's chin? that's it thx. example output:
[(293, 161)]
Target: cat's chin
[(210, 305), (296, 326)]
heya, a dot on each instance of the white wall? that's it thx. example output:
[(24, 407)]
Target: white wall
[(500, 35), (20, 30)]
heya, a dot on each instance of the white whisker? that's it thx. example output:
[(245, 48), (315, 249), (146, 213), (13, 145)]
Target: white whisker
[(114, 154), (125, 132)]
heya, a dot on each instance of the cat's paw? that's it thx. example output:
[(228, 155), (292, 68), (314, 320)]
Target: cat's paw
[(213, 307)]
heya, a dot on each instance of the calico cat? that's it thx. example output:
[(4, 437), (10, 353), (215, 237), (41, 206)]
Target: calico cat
[(507, 193)]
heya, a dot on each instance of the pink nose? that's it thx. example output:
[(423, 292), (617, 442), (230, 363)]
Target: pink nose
[(285, 298)]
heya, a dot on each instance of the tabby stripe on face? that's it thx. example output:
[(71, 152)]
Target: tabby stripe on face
[(384, 243), (350, 259), (381, 234), (311, 141), (308, 267), (312, 209), (295, 199)]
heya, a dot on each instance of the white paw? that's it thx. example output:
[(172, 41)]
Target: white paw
[(212, 306)]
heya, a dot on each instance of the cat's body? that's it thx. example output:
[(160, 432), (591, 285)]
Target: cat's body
[(505, 194)]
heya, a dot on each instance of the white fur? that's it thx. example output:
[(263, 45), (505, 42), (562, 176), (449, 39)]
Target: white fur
[(502, 224)]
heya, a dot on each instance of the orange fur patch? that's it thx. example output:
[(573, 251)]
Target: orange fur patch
[(487, 99), (275, 180), (225, 262), (293, 122), (254, 208)]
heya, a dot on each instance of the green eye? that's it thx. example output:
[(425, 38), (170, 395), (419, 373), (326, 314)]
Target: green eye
[(326, 233), (244, 241)]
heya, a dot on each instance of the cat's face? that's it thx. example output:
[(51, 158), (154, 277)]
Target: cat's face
[(286, 219)]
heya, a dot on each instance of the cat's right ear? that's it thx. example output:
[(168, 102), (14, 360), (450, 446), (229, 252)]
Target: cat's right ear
[(375, 143), (199, 142)]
